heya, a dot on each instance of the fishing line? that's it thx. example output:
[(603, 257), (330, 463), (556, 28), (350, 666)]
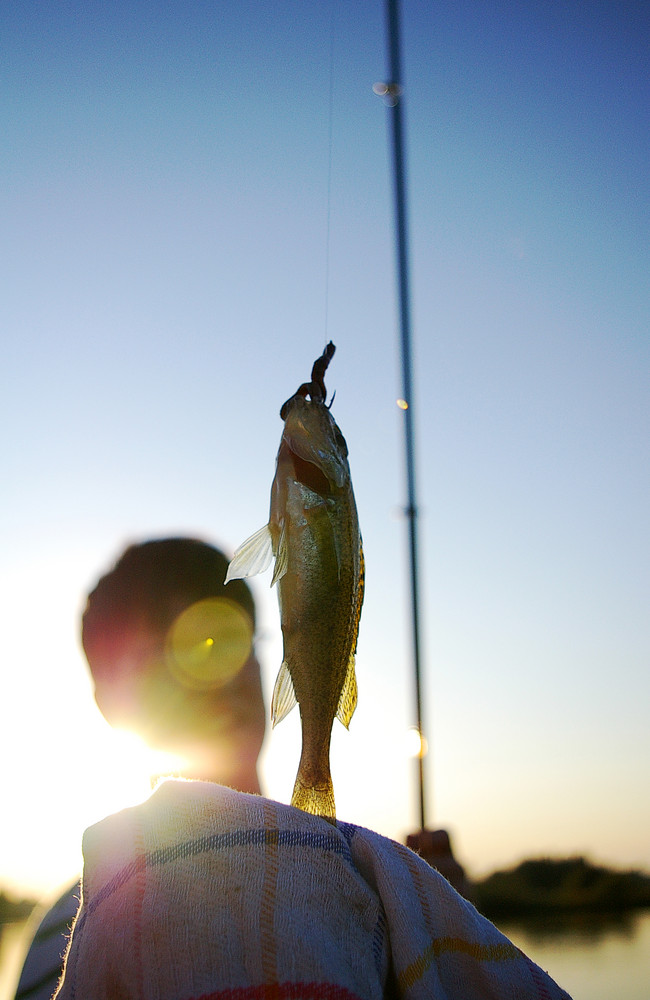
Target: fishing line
[(330, 115)]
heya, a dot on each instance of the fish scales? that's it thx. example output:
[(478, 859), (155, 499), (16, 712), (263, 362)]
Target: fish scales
[(319, 624), (313, 533)]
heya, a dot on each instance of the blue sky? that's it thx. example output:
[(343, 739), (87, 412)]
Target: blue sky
[(195, 198)]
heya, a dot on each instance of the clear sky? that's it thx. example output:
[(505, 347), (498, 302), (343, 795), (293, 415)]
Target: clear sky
[(195, 197)]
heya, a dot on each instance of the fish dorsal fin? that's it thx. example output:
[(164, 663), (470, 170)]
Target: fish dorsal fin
[(282, 557), (284, 695), (253, 556), (348, 699), (360, 592)]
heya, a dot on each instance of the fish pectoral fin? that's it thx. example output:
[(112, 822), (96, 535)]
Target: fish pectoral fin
[(282, 558), (284, 695), (253, 556), (348, 699)]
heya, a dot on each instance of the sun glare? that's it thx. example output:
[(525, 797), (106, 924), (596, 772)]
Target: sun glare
[(415, 743), (132, 754), (126, 769)]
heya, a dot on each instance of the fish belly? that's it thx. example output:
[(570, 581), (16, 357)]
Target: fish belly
[(317, 594)]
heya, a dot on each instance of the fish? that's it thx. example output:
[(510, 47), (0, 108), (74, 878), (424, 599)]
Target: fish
[(313, 534)]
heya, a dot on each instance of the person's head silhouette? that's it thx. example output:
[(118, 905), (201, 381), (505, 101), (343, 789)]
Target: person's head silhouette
[(170, 650)]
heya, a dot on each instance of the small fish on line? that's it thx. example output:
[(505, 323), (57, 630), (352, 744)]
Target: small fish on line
[(313, 534)]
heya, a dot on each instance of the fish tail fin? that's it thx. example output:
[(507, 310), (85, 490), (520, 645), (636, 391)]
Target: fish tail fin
[(317, 799)]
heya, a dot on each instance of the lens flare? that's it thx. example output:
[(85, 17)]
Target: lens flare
[(416, 743), (209, 643)]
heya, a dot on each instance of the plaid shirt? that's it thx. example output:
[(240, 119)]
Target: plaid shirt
[(203, 893)]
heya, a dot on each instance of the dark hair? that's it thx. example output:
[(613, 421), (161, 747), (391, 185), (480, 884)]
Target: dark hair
[(148, 587)]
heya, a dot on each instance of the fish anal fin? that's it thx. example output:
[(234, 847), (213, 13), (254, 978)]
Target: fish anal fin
[(253, 556), (348, 699), (315, 799), (282, 558), (284, 695)]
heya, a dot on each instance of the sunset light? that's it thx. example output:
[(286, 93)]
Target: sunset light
[(182, 249)]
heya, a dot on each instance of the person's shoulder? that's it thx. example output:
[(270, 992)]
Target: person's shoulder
[(261, 889), (44, 960)]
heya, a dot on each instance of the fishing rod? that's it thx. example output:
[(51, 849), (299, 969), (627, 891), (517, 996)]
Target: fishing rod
[(392, 92)]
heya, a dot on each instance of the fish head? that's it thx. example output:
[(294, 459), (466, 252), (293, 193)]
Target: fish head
[(313, 446)]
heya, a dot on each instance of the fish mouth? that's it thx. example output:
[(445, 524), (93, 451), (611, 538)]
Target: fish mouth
[(309, 474), (296, 448)]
